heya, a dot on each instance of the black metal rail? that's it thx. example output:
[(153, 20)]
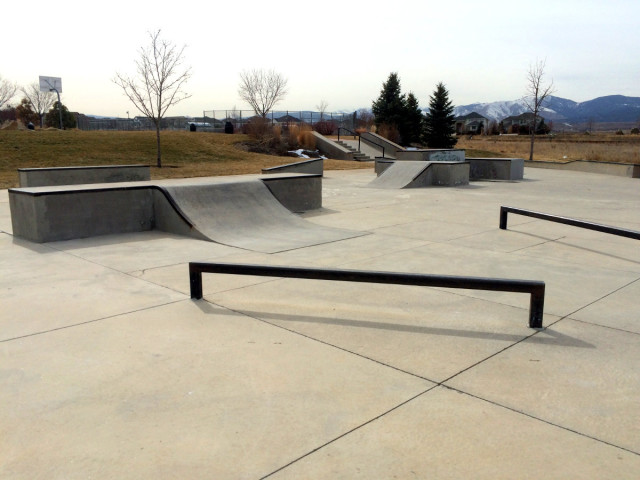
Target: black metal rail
[(567, 221), (534, 288), (355, 134)]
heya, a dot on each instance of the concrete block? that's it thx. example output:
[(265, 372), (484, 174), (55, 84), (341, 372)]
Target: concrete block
[(297, 194), (49, 216), (44, 177), (381, 164), (496, 168), (432, 155), (618, 169)]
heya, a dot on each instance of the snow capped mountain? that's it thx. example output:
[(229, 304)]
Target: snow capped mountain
[(612, 108), (493, 110)]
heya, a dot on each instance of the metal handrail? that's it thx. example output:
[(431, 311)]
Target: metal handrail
[(347, 130), (567, 221), (355, 134), (536, 289)]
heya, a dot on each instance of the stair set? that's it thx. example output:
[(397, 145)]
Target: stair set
[(357, 154)]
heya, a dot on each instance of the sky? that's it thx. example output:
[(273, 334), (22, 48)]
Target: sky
[(337, 52)]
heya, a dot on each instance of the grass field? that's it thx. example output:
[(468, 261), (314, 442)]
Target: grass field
[(184, 154), (197, 154), (600, 147)]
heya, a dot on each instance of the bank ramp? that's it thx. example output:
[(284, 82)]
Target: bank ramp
[(418, 174), (245, 214)]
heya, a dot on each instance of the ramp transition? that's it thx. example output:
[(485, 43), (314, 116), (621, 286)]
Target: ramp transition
[(418, 174), (399, 174), (247, 215), (236, 211)]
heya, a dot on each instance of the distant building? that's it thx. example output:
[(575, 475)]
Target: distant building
[(287, 121), (514, 123), (472, 123)]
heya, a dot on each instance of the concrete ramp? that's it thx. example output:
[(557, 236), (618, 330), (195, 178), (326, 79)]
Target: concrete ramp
[(248, 212), (245, 214), (399, 174), (419, 174)]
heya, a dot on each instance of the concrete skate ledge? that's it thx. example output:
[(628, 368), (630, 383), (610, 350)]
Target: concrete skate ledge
[(54, 213), (432, 155), (314, 166), (618, 169), (496, 168), (44, 177)]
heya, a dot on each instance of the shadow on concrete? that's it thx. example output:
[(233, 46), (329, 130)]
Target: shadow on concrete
[(599, 252), (541, 337), (318, 212)]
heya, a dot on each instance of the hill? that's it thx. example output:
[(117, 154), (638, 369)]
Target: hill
[(184, 154), (608, 109)]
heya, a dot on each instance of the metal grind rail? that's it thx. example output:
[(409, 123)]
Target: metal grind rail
[(355, 134), (567, 221), (535, 288)]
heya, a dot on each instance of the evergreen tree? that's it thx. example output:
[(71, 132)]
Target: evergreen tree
[(411, 130), (52, 119), (25, 113), (389, 109), (440, 122)]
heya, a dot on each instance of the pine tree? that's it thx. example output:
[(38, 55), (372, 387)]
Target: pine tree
[(440, 122), (389, 109), (413, 124)]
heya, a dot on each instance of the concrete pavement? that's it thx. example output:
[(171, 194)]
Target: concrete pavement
[(110, 370)]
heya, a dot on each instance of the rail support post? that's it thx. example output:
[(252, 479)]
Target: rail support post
[(503, 218), (536, 308), (195, 281)]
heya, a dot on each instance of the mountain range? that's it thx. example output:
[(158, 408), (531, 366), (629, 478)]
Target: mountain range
[(608, 109)]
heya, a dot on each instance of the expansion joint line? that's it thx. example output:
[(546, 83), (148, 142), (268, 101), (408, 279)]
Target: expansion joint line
[(87, 322)]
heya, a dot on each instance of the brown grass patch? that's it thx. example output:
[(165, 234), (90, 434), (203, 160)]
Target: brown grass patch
[(184, 154), (599, 147)]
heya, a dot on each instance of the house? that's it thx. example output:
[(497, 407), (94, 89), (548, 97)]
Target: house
[(472, 123), (287, 121), (515, 123)]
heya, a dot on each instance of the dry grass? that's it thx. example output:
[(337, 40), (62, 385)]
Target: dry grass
[(598, 147), (306, 138), (184, 154)]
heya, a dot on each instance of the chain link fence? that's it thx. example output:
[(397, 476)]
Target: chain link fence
[(326, 123)]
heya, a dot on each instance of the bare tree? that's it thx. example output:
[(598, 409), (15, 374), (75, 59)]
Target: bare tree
[(365, 119), (7, 91), (536, 94), (40, 101), (262, 89), (322, 108), (158, 83)]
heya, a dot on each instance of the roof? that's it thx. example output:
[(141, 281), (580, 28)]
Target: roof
[(471, 115), (287, 118)]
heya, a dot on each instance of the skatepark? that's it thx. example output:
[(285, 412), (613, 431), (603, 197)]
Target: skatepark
[(111, 370)]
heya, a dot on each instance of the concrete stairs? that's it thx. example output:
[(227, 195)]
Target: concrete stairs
[(357, 154)]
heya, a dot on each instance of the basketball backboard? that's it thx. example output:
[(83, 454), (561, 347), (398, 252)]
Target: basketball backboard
[(48, 84)]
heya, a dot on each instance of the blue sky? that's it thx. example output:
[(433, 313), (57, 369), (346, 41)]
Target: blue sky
[(339, 52)]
